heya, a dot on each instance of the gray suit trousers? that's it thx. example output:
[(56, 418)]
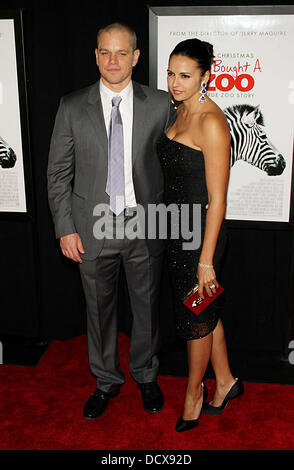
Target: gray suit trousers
[(100, 278)]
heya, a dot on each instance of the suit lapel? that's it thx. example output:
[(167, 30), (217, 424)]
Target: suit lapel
[(139, 116), (95, 113)]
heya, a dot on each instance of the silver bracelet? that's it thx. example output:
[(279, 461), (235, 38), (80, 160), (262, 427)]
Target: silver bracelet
[(205, 265)]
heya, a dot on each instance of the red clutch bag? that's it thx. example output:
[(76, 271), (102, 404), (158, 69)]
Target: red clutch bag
[(196, 303)]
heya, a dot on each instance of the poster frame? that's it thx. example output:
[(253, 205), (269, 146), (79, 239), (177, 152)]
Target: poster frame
[(17, 16), (155, 12)]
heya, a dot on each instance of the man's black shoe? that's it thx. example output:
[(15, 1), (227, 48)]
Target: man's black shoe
[(152, 397), (97, 403)]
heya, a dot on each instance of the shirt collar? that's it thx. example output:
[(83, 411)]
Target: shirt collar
[(107, 93)]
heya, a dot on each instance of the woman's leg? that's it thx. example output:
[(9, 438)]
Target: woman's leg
[(199, 351), (220, 363)]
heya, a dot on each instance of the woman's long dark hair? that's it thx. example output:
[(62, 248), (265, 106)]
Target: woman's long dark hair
[(201, 51)]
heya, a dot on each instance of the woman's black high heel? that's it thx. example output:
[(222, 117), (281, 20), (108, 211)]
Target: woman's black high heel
[(185, 425), (236, 391)]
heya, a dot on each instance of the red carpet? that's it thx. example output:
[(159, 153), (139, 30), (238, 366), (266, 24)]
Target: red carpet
[(41, 409)]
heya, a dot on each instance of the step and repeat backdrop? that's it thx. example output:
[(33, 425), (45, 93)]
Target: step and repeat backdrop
[(252, 80)]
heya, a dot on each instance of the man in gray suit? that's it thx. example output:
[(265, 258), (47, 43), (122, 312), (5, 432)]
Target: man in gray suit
[(80, 169)]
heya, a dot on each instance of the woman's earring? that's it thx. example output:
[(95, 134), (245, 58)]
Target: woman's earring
[(203, 92)]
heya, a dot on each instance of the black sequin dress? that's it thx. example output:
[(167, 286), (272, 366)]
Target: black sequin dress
[(185, 185)]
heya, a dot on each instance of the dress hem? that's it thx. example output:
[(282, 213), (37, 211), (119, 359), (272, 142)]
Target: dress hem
[(198, 337)]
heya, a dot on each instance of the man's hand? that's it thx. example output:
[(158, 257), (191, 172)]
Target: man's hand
[(71, 246)]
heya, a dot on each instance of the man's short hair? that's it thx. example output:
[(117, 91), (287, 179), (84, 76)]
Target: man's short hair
[(119, 27)]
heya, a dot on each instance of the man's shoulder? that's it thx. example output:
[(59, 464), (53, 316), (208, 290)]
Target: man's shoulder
[(81, 94), (152, 92)]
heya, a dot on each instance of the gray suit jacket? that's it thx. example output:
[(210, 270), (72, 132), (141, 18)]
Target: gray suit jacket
[(78, 159)]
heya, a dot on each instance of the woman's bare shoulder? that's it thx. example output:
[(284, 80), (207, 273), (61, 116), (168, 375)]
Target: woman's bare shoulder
[(214, 120)]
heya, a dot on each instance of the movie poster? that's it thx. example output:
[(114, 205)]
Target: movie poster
[(12, 183), (252, 80)]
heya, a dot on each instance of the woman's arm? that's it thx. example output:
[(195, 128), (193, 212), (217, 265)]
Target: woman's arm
[(215, 137)]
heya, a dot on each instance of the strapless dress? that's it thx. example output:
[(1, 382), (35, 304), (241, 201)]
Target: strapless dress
[(185, 185)]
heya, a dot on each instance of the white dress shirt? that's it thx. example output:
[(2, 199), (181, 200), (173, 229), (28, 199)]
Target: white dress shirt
[(126, 111)]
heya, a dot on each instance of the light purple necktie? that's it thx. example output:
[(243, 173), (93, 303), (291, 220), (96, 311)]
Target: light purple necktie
[(115, 186)]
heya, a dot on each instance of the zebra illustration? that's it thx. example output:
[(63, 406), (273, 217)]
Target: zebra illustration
[(7, 155), (249, 141)]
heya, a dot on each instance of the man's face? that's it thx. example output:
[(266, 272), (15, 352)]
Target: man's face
[(115, 59)]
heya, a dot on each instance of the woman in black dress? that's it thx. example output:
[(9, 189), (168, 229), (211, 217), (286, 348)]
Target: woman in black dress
[(195, 155)]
